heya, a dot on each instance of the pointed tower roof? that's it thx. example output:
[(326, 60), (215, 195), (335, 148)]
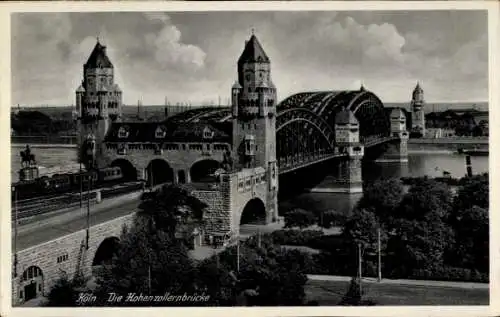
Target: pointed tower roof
[(98, 58), (237, 85), (253, 52), (80, 89), (418, 88)]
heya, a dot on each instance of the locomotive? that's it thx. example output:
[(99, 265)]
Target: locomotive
[(62, 183)]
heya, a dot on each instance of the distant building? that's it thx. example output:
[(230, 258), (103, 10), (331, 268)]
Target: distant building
[(453, 122), (436, 133), (417, 109)]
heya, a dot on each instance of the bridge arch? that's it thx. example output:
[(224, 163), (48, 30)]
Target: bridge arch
[(302, 135), (128, 170), (31, 283), (203, 170), (105, 251), (366, 106), (254, 212), (159, 171)]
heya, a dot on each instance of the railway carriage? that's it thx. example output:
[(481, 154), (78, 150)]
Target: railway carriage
[(61, 183)]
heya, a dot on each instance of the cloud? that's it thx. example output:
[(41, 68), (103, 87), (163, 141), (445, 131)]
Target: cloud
[(171, 52), (193, 56)]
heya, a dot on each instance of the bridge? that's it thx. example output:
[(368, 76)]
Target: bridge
[(230, 158), (305, 135)]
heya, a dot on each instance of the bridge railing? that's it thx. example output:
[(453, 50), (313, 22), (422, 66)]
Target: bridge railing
[(32, 208)]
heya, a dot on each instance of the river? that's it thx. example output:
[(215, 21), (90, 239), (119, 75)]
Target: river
[(431, 162)]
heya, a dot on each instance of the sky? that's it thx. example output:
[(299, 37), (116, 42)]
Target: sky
[(191, 56)]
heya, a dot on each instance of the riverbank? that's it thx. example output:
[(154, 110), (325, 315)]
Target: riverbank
[(44, 146)]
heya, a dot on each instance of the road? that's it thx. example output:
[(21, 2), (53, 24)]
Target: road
[(50, 231), (464, 285)]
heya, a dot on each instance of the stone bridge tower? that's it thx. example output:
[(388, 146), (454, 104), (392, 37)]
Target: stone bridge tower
[(254, 116), (98, 103), (417, 111), (349, 178)]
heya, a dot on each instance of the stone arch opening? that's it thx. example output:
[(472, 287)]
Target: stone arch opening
[(159, 172), (31, 285), (128, 170), (105, 252), (204, 171), (254, 212)]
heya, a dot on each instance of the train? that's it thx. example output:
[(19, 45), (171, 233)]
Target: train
[(63, 183)]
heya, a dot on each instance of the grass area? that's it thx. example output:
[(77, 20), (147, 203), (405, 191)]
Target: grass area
[(328, 293)]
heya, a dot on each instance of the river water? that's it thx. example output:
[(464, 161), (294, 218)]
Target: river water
[(431, 162)]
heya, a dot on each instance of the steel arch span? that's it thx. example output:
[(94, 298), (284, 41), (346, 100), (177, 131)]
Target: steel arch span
[(305, 123), (305, 126), (366, 106)]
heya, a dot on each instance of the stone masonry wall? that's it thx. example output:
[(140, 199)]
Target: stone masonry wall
[(217, 218), (45, 256)]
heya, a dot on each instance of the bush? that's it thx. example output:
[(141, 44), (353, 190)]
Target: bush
[(295, 237), (299, 218), (333, 219), (332, 243)]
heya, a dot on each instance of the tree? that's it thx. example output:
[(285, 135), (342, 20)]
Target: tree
[(472, 239), (470, 222), (299, 218), (268, 275), (417, 244), (65, 292), (473, 192), (425, 197), (148, 262), (150, 259), (419, 234), (171, 208), (362, 229), (383, 197)]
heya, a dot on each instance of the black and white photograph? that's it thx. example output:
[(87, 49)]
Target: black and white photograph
[(254, 157)]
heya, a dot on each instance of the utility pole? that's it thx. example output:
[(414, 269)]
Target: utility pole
[(238, 255), (15, 231), (216, 259), (149, 274), (379, 257), (88, 208), (359, 268)]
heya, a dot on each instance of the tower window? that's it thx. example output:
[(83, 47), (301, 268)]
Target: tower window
[(123, 133), (160, 132), (207, 133)]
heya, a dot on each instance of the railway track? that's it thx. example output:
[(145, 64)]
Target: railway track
[(37, 206)]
